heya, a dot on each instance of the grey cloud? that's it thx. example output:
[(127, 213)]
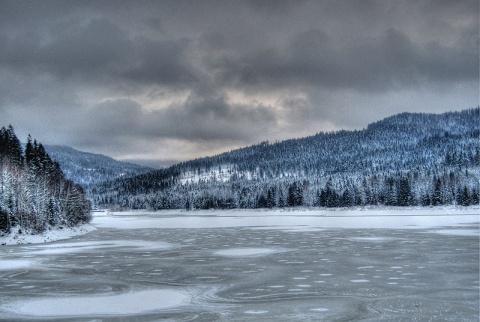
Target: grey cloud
[(109, 47), (214, 118), (98, 51), (100, 45), (384, 63), (162, 62), (121, 122), (82, 70), (115, 118), (76, 49)]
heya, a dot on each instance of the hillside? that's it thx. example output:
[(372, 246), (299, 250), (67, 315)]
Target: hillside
[(88, 168), (406, 159)]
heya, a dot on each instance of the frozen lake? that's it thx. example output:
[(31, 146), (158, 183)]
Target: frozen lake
[(391, 265)]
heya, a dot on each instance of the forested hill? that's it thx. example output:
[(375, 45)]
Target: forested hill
[(406, 159), (34, 193), (88, 168)]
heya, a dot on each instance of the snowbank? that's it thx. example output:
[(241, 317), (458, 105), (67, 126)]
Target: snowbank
[(54, 234)]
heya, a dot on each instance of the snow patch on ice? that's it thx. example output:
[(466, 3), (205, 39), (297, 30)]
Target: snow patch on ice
[(13, 264), (372, 239), (255, 312), (112, 304), (457, 232), (320, 309), (239, 252), (359, 281)]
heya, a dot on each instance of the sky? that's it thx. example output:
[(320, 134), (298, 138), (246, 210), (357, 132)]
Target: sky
[(176, 80)]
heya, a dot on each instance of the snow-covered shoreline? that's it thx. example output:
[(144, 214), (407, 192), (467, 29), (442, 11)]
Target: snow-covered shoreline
[(54, 234), (293, 219), (306, 211)]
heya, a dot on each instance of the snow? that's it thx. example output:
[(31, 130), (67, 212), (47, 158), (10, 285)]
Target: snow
[(297, 220), (457, 232), (113, 304), (53, 234), (221, 173)]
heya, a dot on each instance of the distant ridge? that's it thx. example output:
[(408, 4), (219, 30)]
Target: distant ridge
[(406, 159), (89, 168)]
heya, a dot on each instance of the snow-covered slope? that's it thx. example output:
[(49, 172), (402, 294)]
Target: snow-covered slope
[(407, 159)]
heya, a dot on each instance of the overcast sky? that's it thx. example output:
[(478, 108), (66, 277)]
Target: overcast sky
[(183, 79)]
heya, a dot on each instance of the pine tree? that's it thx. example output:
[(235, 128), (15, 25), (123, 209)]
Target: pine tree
[(35, 193)]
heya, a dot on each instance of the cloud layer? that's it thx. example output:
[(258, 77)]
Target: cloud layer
[(180, 79)]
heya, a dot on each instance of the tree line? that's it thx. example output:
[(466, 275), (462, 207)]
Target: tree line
[(406, 189), (35, 194)]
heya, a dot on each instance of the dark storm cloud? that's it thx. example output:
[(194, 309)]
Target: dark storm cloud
[(102, 49), (114, 73), (163, 62), (385, 63)]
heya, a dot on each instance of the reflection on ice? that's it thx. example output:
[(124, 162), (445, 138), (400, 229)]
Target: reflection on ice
[(114, 304)]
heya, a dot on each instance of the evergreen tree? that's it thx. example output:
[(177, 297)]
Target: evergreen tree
[(36, 194)]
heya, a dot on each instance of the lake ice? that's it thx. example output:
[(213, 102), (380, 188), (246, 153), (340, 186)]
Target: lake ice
[(243, 265)]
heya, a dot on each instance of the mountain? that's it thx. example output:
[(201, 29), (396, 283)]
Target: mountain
[(405, 159), (88, 168)]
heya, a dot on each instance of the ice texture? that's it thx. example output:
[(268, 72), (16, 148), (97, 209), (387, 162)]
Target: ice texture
[(251, 265)]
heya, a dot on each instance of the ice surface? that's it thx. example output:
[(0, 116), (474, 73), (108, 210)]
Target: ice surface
[(251, 265), (117, 304)]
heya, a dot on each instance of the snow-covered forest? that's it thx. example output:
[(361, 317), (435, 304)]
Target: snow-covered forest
[(407, 159), (35, 194)]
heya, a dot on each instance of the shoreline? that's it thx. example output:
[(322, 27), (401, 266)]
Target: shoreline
[(356, 210), (51, 235)]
